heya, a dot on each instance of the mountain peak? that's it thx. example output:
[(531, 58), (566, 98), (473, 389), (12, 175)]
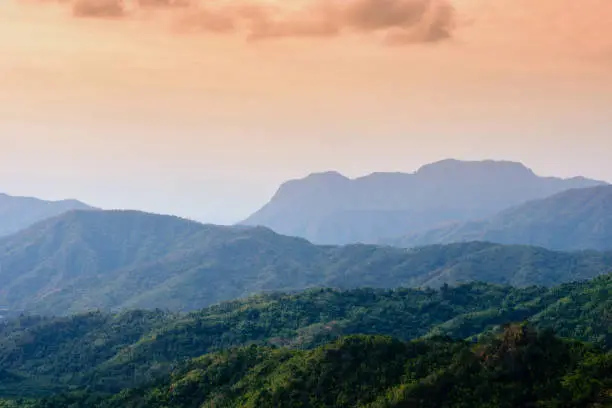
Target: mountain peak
[(449, 167), (323, 181), (19, 213), (327, 175)]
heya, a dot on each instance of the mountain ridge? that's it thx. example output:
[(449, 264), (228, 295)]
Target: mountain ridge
[(576, 219), (329, 208), (18, 213), (113, 260)]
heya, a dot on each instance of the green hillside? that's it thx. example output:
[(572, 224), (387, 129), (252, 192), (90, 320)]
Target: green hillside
[(112, 260)]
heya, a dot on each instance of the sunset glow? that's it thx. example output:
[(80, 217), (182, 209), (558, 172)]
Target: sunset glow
[(250, 92)]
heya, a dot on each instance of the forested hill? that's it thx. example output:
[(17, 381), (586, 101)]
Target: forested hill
[(519, 368), (113, 260), (577, 219), (110, 352)]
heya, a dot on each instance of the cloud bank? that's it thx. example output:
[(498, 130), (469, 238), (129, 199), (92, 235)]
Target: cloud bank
[(395, 21)]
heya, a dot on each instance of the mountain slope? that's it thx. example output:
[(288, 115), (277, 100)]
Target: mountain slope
[(329, 208), (109, 352), (87, 260), (18, 213), (98, 259), (571, 220)]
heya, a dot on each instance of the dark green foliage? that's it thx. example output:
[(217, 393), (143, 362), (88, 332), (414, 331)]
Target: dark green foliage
[(113, 260), (519, 368), (578, 219), (585, 313), (50, 353), (109, 352)]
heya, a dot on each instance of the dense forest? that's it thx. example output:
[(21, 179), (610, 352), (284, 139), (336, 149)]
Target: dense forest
[(518, 368), (108, 352)]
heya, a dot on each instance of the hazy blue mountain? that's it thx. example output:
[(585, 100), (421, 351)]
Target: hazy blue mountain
[(126, 259), (328, 208), (571, 220), (17, 213)]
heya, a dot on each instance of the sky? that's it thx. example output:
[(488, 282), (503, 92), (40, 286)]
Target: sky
[(202, 108)]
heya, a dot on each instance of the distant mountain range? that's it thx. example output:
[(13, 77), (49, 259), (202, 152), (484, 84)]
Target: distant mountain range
[(17, 213), (126, 259), (571, 220), (328, 208)]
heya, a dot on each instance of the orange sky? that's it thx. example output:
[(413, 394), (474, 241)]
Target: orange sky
[(203, 110)]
